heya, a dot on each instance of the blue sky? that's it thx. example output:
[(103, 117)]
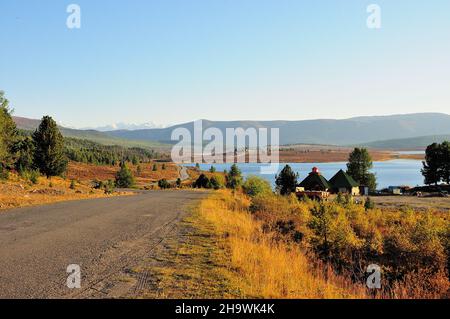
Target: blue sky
[(178, 60)]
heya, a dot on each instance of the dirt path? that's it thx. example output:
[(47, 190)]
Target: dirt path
[(106, 237)]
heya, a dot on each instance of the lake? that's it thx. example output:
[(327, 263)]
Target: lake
[(389, 173)]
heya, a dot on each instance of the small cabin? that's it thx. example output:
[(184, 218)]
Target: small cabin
[(344, 183), (314, 186)]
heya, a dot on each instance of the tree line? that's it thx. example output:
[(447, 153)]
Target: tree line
[(43, 151), (48, 152), (85, 151)]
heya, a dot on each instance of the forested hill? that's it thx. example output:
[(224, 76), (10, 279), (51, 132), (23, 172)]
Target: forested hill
[(92, 135)]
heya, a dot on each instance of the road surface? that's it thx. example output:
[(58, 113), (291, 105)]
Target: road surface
[(105, 237)]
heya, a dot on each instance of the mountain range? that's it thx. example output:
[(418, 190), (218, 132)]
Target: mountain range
[(353, 131), (391, 131), (124, 126)]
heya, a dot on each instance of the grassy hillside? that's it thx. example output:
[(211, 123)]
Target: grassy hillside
[(409, 143)]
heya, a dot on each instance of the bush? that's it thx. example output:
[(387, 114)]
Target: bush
[(33, 176), (202, 182), (234, 177), (369, 204), (255, 186), (163, 184), (109, 187), (96, 184), (4, 174), (72, 184), (124, 177), (213, 183), (349, 237)]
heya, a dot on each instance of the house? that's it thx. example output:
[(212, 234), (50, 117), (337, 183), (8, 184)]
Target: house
[(395, 190), (344, 183), (315, 182), (314, 186)]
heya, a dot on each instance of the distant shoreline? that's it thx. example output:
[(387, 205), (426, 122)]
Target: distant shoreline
[(338, 155)]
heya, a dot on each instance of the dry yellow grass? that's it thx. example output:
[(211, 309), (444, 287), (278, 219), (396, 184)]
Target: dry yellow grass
[(263, 268), (18, 192), (88, 172)]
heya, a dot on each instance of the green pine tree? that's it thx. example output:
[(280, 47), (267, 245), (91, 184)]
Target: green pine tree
[(8, 134), (286, 181), (358, 167), (49, 155), (234, 177), (124, 177), (432, 164)]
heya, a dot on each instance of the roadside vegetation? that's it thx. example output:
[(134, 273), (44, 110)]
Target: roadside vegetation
[(279, 246), (282, 247)]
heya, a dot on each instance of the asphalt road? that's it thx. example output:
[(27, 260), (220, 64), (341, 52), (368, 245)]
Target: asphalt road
[(104, 237)]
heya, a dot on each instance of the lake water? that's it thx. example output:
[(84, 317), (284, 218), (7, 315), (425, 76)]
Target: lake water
[(389, 173)]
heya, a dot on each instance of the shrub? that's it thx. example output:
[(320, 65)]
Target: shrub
[(97, 184), (202, 182), (254, 186), (213, 183), (234, 177), (369, 204), (163, 184), (340, 198), (4, 174), (124, 177), (109, 187), (349, 237), (33, 176)]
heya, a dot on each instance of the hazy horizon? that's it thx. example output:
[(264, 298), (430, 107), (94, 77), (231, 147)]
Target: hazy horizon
[(175, 61), (135, 126)]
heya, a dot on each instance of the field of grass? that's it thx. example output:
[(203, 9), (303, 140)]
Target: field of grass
[(271, 246), (20, 192), (262, 267), (146, 177), (223, 252)]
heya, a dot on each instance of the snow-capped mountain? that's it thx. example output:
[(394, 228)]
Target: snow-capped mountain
[(124, 126)]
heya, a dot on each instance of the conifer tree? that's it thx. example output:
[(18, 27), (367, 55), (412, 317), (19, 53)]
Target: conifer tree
[(49, 155)]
